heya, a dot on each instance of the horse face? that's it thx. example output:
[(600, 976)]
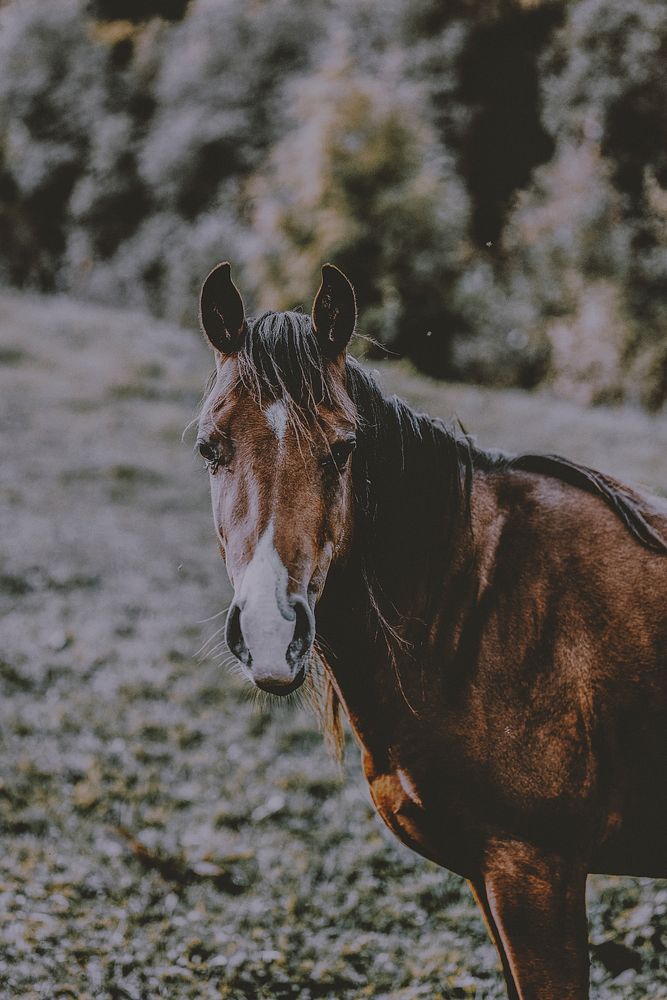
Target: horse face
[(281, 489)]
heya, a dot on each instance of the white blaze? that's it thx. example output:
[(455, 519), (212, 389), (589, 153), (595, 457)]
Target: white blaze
[(261, 593), (276, 416)]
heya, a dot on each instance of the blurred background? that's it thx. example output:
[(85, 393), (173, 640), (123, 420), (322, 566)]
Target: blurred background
[(493, 178), (492, 175)]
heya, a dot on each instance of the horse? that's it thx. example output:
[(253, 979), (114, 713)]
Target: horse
[(494, 626)]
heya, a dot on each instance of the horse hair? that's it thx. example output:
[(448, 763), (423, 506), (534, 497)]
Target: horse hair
[(281, 359), (409, 469)]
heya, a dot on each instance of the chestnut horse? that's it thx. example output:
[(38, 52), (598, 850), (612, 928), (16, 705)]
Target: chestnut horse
[(495, 627)]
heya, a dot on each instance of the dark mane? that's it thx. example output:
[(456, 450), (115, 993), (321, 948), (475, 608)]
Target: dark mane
[(624, 502), (413, 481), (404, 461), (407, 465), (281, 359), (408, 469)]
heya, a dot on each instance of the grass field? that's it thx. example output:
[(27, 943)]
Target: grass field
[(163, 836)]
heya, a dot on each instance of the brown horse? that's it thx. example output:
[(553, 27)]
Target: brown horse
[(495, 627)]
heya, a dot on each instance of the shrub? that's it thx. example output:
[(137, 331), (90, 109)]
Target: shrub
[(360, 179), (493, 176)]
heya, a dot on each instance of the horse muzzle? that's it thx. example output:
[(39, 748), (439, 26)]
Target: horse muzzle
[(273, 641)]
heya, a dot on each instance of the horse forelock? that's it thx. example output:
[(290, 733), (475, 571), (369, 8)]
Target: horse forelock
[(281, 361)]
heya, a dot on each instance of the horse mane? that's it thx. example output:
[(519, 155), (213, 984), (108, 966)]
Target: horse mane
[(624, 502), (407, 465), (281, 359)]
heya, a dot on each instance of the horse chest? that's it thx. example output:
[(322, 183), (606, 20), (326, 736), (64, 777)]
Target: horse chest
[(423, 808), (398, 800)]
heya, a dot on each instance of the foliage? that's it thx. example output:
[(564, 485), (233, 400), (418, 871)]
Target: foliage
[(361, 179), (492, 175), (590, 232)]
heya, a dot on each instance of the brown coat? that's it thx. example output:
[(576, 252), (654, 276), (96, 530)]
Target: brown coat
[(495, 627)]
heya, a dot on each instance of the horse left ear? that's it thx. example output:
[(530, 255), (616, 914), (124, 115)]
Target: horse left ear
[(221, 311), (334, 312)]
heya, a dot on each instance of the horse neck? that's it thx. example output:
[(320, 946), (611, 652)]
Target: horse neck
[(381, 611)]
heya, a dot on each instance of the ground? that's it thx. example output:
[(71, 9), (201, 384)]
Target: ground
[(164, 836)]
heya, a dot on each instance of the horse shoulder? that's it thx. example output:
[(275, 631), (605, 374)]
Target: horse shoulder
[(569, 685)]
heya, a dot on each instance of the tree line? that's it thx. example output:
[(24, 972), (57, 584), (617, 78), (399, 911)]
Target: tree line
[(491, 174)]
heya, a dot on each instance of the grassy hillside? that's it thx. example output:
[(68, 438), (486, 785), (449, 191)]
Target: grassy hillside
[(164, 836)]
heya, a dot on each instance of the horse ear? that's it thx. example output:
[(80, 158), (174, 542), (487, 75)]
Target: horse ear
[(221, 312), (334, 312)]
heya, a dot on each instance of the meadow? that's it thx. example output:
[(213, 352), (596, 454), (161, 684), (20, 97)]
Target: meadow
[(165, 835)]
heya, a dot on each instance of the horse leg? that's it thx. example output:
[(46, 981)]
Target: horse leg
[(479, 892), (537, 902)]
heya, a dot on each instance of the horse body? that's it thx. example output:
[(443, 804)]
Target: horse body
[(550, 726), (495, 627)]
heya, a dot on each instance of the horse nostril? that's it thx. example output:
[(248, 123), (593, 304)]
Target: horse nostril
[(304, 631), (234, 636)]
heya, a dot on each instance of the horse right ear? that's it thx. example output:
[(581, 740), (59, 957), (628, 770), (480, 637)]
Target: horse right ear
[(221, 312), (334, 312)]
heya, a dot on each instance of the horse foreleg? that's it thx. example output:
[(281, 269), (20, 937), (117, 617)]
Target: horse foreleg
[(536, 902), (479, 892)]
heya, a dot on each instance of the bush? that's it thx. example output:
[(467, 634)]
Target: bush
[(52, 84), (360, 179), (577, 293), (590, 233), (493, 176)]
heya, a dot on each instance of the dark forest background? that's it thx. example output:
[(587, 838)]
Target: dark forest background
[(492, 175)]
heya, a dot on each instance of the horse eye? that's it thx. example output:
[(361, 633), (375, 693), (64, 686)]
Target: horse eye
[(207, 451), (341, 451), (214, 456)]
